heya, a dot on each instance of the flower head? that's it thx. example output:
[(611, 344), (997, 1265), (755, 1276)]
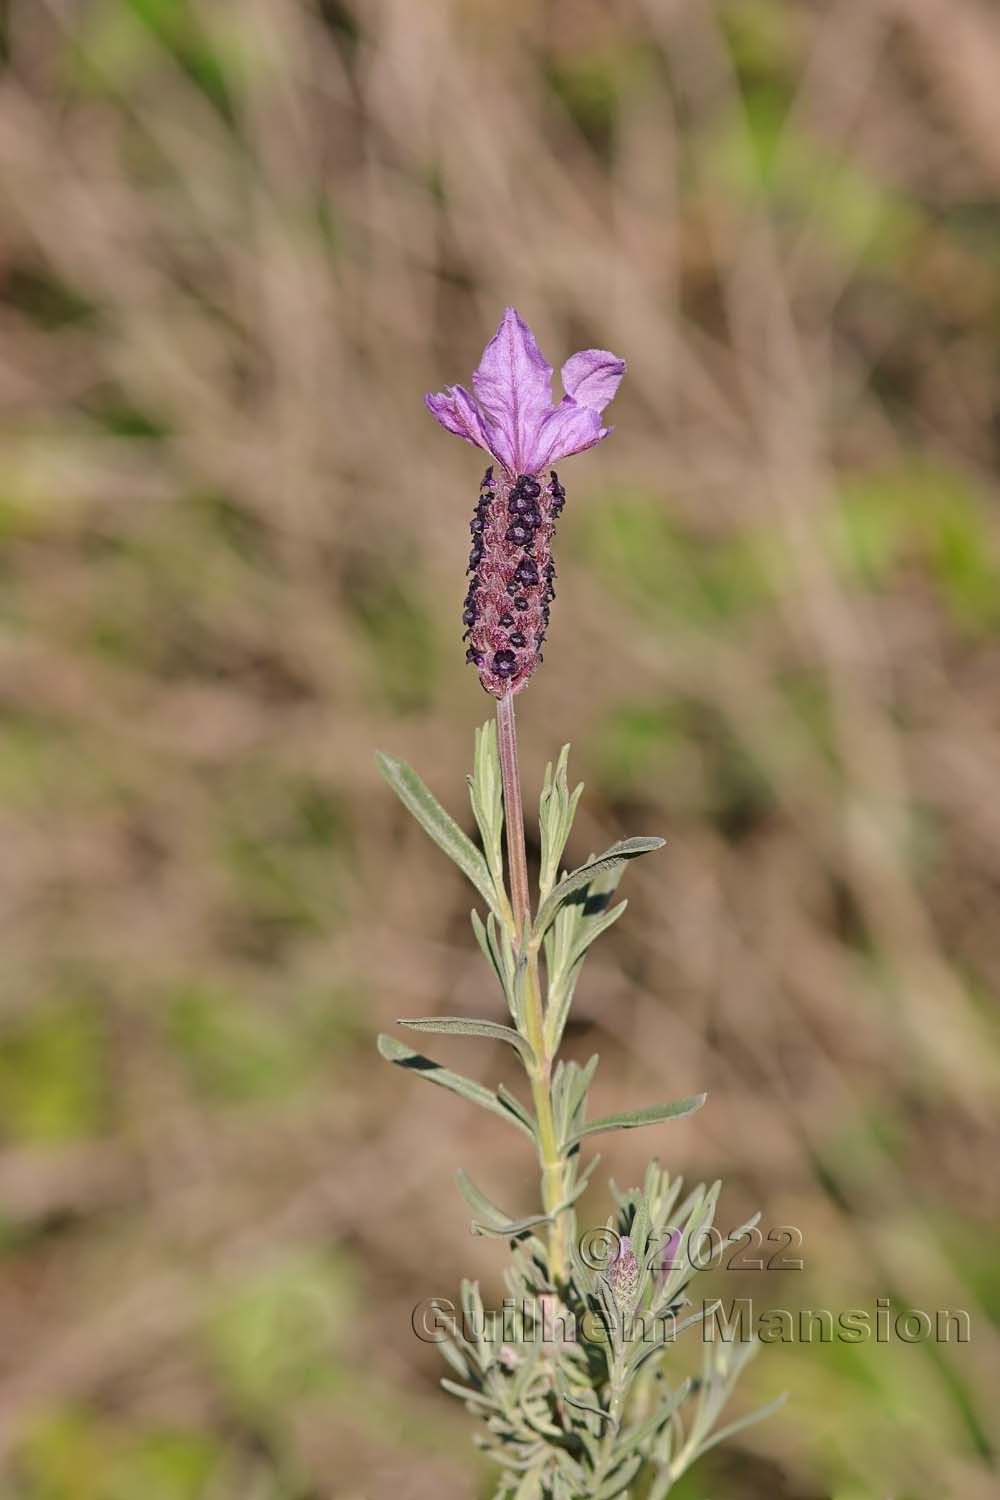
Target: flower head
[(513, 418)]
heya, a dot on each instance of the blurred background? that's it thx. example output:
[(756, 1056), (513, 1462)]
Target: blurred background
[(240, 239)]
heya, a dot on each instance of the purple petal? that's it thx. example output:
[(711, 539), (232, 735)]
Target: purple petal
[(514, 385), (567, 429), (457, 412), (670, 1250), (592, 377)]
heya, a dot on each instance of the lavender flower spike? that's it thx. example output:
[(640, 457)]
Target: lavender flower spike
[(513, 418)]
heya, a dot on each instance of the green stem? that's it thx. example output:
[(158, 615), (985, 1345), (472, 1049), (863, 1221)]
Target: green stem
[(540, 1073), (517, 860), (615, 1406), (549, 1152)]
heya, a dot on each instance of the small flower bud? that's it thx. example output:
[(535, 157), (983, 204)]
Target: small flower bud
[(623, 1272), (669, 1259)]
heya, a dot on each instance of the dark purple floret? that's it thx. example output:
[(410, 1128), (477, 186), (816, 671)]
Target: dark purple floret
[(518, 532), (516, 638), (504, 663)]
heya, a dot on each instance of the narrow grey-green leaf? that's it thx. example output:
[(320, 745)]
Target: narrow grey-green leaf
[(455, 1358), (491, 1219), (469, 1026), (439, 824), (577, 924), (650, 1116), (620, 1480), (530, 1487), (646, 1350), (645, 1431), (743, 1422), (473, 1398), (562, 987), (592, 927), (581, 1076), (579, 1188), (485, 792), (424, 1067), (477, 1199), (482, 938), (594, 1411), (556, 810), (611, 859), (517, 1109), (510, 1227), (494, 940)]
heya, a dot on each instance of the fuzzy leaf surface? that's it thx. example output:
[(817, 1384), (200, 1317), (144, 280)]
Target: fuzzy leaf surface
[(469, 1026), (440, 825), (611, 859), (652, 1115), (404, 1057)]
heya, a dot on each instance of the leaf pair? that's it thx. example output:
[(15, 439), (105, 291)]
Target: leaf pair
[(502, 1102)]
